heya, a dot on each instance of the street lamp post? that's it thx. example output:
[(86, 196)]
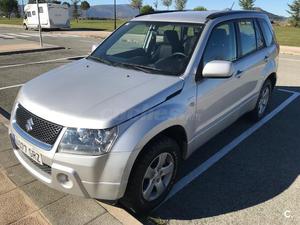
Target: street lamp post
[(23, 13), (39, 21), (115, 13)]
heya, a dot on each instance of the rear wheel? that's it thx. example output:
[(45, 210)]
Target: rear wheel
[(263, 101), (25, 26), (153, 175)]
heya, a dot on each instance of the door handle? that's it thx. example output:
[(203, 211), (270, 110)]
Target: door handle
[(239, 74), (266, 59)]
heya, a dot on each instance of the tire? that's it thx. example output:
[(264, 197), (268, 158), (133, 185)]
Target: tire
[(25, 26), (263, 101), (136, 197)]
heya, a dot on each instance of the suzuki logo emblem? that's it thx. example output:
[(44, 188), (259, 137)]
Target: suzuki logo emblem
[(29, 124)]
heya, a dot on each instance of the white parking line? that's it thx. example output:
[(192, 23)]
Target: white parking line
[(12, 86), (30, 34), (183, 182), (6, 36), (17, 35), (41, 62)]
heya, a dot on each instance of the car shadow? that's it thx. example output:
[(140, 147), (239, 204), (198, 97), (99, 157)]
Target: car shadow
[(260, 168)]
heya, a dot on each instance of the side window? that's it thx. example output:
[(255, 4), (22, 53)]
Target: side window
[(28, 14), (268, 34), (33, 13), (259, 37), (41, 10), (221, 44), (247, 36)]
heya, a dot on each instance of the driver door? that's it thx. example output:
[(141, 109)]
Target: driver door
[(217, 98)]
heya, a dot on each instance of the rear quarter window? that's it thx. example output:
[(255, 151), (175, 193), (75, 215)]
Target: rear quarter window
[(267, 32)]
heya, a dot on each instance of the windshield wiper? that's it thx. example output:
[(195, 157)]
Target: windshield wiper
[(146, 69), (100, 60), (143, 68)]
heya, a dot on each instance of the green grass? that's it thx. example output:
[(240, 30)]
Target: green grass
[(289, 36), (12, 21), (106, 25), (286, 35)]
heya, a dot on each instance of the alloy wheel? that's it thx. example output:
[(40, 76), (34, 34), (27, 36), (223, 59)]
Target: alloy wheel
[(264, 99), (158, 176)]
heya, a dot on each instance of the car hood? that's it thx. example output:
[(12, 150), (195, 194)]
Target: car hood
[(90, 94)]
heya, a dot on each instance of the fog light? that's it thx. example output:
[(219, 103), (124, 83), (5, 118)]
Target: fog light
[(64, 180)]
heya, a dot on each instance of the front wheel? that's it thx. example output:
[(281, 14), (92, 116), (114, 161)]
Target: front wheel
[(263, 101), (153, 175), (25, 26)]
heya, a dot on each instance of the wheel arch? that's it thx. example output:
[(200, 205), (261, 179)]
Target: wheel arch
[(273, 78), (176, 132)]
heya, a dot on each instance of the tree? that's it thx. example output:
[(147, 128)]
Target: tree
[(180, 4), (8, 7), (167, 3), (84, 6), (75, 9), (295, 13), (137, 4), (247, 4), (147, 9), (67, 4), (155, 4), (200, 8)]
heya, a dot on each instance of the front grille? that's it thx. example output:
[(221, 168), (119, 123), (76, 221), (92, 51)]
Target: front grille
[(42, 130), (44, 167)]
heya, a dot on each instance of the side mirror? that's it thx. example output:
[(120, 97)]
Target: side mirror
[(218, 69), (94, 47)]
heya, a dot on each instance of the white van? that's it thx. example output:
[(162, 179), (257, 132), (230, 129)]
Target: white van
[(51, 16)]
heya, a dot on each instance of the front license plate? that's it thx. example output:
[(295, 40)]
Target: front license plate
[(35, 156)]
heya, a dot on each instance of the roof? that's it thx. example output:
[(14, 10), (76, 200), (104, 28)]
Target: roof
[(189, 16)]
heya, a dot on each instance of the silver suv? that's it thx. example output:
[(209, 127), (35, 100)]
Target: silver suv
[(117, 124)]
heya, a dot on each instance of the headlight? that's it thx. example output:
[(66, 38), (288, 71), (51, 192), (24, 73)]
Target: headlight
[(87, 141)]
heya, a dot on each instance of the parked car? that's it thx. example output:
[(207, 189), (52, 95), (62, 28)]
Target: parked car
[(52, 16), (117, 124)]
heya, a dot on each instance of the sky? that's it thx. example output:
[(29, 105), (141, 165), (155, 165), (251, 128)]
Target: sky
[(278, 7)]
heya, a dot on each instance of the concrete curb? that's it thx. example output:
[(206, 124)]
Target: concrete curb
[(32, 50), (120, 214), (4, 120)]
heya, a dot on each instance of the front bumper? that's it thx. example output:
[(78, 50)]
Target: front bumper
[(88, 176)]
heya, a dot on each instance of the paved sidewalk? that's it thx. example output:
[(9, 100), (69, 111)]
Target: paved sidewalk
[(291, 50), (26, 201), (12, 46)]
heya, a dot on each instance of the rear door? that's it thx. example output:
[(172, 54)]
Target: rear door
[(252, 59), (43, 14)]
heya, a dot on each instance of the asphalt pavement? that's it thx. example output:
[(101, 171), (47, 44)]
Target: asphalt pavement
[(248, 174)]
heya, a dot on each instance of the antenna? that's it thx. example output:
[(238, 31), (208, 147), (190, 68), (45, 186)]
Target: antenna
[(232, 6)]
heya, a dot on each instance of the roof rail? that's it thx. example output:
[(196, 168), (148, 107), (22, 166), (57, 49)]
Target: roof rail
[(229, 12), (162, 11)]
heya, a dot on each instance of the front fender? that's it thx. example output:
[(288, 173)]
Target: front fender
[(141, 130)]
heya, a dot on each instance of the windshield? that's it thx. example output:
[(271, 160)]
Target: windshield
[(154, 47)]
